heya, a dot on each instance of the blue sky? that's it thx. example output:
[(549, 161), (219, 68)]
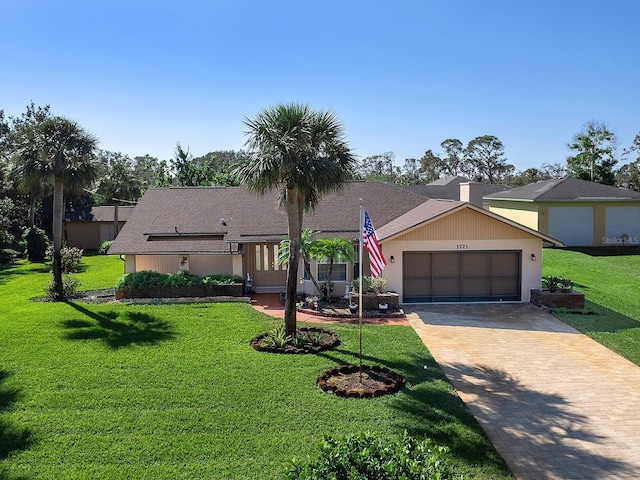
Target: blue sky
[(402, 76)]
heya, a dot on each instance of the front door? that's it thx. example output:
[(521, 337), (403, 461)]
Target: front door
[(263, 266)]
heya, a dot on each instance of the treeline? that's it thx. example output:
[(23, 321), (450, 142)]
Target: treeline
[(102, 177)]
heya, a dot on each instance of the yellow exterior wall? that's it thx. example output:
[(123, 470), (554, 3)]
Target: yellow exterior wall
[(525, 213)]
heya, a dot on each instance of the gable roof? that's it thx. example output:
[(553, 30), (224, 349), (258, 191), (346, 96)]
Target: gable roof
[(210, 219), (100, 214), (566, 189), (448, 188), (433, 210)]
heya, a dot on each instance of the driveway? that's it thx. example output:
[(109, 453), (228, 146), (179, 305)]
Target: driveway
[(555, 404)]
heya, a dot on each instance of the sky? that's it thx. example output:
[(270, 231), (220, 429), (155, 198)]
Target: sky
[(402, 76)]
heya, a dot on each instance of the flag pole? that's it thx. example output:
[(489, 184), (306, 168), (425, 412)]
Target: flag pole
[(360, 284)]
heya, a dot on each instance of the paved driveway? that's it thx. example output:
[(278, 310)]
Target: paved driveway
[(555, 404)]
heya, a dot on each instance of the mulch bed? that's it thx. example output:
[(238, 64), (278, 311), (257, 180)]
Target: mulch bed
[(316, 340), (349, 381)]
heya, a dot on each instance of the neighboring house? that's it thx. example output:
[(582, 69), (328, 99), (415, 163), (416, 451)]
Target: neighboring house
[(576, 212), (88, 228), (436, 250), (459, 188)]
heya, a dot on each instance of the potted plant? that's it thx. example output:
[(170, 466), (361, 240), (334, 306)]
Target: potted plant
[(353, 307), (312, 302), (383, 307)]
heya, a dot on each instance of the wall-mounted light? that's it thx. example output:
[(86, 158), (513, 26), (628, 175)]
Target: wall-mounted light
[(392, 259), (533, 257)]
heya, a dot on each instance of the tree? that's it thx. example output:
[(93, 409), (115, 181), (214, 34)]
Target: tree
[(485, 160), (431, 166), (67, 150), (628, 176), (118, 178), (307, 242), (332, 250), (303, 153), (596, 147), (379, 167), (454, 162)]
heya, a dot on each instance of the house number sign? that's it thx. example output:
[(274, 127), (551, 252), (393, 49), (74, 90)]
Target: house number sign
[(462, 246)]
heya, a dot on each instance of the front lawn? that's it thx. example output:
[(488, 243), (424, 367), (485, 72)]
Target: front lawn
[(175, 391), (610, 280)]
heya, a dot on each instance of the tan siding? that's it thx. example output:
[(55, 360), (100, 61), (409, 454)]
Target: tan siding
[(466, 225), (158, 263), (83, 235), (203, 265), (527, 216)]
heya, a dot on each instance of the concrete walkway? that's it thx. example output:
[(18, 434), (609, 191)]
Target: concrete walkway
[(555, 404)]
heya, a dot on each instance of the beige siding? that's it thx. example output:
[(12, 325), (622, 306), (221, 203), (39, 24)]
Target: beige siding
[(201, 265), (83, 235), (523, 213), (466, 224)]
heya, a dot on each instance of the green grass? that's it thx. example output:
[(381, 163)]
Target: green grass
[(175, 391), (609, 278)]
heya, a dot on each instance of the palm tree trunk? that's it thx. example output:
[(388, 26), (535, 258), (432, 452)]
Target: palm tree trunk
[(295, 229), (58, 214)]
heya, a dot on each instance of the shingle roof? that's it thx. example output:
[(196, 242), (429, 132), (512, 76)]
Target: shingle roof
[(174, 215), (433, 209), (448, 188), (100, 214), (565, 189)]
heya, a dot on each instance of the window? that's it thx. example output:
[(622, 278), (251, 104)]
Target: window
[(339, 272)]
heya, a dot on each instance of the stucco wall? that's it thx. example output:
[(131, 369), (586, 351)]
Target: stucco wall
[(531, 270), (522, 212)]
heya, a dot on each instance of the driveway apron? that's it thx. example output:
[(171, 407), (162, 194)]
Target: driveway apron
[(556, 404)]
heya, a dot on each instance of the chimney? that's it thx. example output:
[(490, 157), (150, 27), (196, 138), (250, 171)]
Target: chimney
[(471, 192)]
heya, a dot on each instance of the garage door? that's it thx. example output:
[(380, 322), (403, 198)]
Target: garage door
[(572, 225), (622, 226), (475, 276)]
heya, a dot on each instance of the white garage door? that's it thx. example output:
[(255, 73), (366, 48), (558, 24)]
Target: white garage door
[(622, 226), (572, 225)]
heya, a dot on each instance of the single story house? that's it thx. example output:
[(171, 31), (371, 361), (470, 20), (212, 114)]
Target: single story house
[(437, 250), (576, 212), (88, 228), (454, 187)]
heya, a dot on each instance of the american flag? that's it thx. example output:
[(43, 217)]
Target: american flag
[(370, 242)]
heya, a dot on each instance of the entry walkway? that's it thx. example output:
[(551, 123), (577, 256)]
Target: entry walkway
[(555, 404)]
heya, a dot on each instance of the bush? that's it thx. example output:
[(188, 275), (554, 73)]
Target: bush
[(557, 283), (366, 284), (7, 255), (379, 285), (150, 279), (70, 258), (104, 247), (69, 287), (35, 244), (367, 457)]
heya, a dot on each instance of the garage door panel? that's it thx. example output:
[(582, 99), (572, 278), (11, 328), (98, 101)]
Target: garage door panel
[(476, 264), (461, 276), (622, 225), (446, 265), (571, 225)]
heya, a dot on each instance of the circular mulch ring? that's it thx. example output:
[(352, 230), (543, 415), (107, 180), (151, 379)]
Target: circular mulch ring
[(316, 340), (346, 381)]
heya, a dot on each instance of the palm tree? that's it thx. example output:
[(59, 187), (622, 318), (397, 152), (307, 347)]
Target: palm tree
[(303, 153), (67, 151), (332, 250), (307, 243)]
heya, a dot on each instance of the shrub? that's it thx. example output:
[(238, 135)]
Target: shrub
[(276, 338), (557, 283), (151, 279), (7, 255), (104, 247), (366, 284), (367, 457), (69, 287), (379, 285), (70, 258), (35, 244)]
